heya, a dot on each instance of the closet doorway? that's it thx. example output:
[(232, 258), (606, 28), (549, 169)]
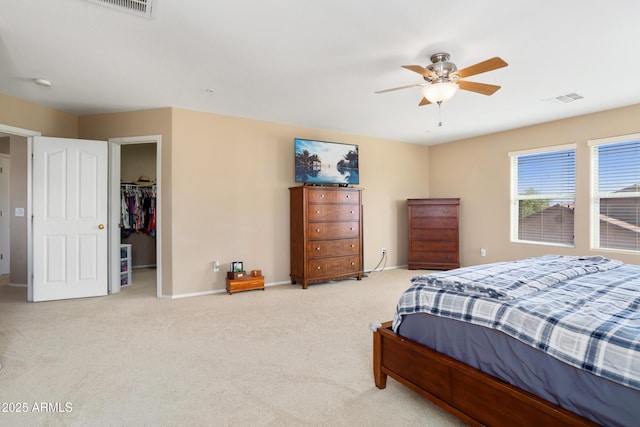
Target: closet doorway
[(21, 269), (134, 180)]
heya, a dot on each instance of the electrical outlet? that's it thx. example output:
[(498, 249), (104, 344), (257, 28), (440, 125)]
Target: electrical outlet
[(216, 266), (483, 252), (384, 251)]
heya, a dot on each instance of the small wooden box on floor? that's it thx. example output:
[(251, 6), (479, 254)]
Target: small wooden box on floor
[(246, 283), (433, 234)]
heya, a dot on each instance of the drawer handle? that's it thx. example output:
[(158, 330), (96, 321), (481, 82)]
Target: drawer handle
[(317, 212), (348, 195), (322, 196), (317, 230), (353, 263), (351, 228), (318, 248), (318, 267), (351, 211), (353, 246)]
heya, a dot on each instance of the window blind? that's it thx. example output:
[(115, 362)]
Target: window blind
[(543, 197), (616, 195)]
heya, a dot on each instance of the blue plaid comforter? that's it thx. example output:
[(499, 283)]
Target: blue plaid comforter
[(584, 311)]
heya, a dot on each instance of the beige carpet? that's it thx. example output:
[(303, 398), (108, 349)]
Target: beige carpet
[(279, 357)]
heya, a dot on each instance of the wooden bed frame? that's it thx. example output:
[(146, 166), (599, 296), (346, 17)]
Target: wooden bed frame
[(469, 394)]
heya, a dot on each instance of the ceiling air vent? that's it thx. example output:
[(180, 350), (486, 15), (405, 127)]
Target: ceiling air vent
[(570, 97), (134, 7)]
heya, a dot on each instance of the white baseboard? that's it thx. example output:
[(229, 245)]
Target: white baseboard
[(266, 285), (389, 268), (216, 291), (18, 285)]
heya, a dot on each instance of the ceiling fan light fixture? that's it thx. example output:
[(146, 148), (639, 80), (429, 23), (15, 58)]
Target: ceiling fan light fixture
[(439, 92)]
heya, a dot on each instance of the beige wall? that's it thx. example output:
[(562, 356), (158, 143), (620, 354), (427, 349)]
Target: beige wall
[(4, 145), (225, 180), (224, 187), (231, 201), (137, 160), (225, 197), (478, 171), (26, 115)]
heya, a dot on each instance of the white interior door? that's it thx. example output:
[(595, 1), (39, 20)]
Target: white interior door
[(69, 205), (5, 241)]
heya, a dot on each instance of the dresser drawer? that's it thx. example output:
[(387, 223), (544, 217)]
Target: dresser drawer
[(334, 196), (434, 211), (327, 248), (434, 223), (333, 230), (434, 246), (434, 257), (434, 234), (326, 212), (326, 267)]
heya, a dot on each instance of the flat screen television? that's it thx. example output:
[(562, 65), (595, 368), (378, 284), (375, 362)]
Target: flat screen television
[(323, 162)]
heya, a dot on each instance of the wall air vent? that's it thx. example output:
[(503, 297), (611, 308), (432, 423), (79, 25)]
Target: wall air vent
[(134, 7)]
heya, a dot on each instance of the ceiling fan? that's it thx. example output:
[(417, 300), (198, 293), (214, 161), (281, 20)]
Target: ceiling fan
[(443, 79)]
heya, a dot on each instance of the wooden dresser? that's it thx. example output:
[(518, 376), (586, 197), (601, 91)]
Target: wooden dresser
[(326, 234), (433, 234)]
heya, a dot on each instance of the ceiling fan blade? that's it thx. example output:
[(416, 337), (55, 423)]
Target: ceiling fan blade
[(483, 88), (482, 67), (397, 88), (424, 101), (420, 70)]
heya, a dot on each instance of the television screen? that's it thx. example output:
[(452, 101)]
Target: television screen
[(322, 162)]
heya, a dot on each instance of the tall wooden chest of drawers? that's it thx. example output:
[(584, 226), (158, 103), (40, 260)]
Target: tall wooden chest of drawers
[(325, 233), (433, 234)]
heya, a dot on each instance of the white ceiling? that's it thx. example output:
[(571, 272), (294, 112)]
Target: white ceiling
[(317, 64)]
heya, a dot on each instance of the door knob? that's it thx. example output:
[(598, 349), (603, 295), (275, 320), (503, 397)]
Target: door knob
[(101, 226)]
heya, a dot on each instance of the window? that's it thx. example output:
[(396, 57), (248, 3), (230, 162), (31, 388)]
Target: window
[(615, 193), (543, 195)]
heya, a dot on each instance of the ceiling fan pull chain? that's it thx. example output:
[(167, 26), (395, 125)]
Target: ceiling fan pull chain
[(439, 113)]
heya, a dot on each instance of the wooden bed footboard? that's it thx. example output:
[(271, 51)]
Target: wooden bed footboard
[(469, 394)]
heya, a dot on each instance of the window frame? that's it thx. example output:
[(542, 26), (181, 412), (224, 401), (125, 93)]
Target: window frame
[(515, 198), (594, 195)]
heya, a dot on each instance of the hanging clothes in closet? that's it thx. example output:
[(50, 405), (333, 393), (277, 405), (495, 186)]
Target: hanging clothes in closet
[(138, 209)]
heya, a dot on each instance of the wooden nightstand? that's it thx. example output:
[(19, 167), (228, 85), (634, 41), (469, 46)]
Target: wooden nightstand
[(246, 283)]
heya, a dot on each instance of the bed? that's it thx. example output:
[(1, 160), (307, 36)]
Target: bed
[(550, 340)]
